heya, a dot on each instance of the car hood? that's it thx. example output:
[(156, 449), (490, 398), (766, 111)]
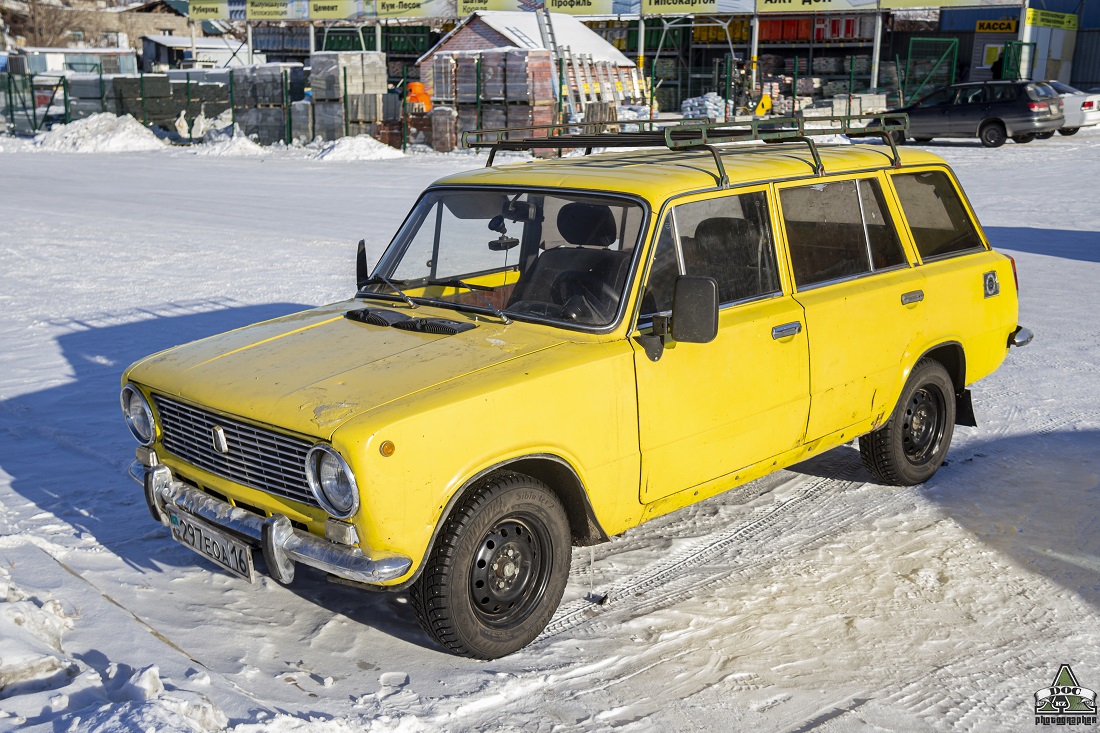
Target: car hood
[(309, 372)]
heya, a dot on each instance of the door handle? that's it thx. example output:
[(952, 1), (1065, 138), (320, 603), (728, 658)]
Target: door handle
[(787, 329), (913, 296)]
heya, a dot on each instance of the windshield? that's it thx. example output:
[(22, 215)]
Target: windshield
[(529, 255)]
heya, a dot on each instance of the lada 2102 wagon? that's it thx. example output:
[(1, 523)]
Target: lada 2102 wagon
[(551, 352)]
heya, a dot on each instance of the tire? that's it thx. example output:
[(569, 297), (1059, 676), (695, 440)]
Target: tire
[(497, 571), (922, 140), (992, 135), (898, 137), (1068, 130), (1045, 135), (1021, 139), (911, 446)]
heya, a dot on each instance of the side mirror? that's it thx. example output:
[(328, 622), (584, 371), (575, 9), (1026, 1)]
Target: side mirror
[(695, 309), (362, 272)]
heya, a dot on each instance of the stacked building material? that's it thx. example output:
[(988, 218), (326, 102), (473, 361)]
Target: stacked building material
[(356, 82), (529, 76), (493, 75), (709, 105), (442, 86), (466, 79), (301, 121), (494, 116), (444, 139), (262, 95)]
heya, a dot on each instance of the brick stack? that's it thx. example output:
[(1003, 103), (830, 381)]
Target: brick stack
[(262, 95), (354, 82)]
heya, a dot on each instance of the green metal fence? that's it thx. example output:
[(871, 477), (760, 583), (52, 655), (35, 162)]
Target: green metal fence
[(931, 64), (31, 103)]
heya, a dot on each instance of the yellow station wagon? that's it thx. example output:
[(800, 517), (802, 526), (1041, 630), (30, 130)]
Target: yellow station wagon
[(552, 352)]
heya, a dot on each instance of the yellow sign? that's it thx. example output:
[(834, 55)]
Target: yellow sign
[(336, 9), (276, 10), (413, 8), (465, 7), (996, 26), (1048, 19), (209, 10), (581, 7), (667, 7)]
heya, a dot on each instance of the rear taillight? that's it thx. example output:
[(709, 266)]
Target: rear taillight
[(1015, 277), (1038, 106), (1086, 105)]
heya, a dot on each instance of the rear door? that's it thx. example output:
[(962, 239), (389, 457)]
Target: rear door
[(969, 109), (861, 294), (708, 410)]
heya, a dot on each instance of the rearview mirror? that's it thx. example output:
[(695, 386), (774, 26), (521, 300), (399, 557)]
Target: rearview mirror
[(695, 309), (362, 272)]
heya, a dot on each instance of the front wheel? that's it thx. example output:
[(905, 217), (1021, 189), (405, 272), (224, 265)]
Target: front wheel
[(911, 446), (497, 570), (1068, 130), (992, 135)]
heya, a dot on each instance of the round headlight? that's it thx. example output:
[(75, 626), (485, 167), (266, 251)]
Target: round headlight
[(332, 482), (139, 417)]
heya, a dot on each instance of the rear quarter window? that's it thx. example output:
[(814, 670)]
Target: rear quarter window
[(939, 222)]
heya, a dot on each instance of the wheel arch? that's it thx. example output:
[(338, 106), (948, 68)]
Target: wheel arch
[(953, 358), (554, 471), (993, 121)]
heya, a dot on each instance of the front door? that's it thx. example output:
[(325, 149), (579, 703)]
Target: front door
[(930, 117), (861, 294), (709, 410)]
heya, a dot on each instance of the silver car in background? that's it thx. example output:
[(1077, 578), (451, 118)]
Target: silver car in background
[(1081, 109)]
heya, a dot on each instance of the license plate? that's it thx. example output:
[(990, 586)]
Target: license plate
[(213, 544)]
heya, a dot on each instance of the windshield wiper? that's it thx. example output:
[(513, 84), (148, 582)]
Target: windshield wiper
[(455, 283), (382, 279)]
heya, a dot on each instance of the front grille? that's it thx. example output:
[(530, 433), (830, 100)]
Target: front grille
[(258, 458)]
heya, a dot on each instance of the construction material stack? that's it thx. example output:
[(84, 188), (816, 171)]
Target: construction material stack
[(349, 89), (492, 89), (262, 96)]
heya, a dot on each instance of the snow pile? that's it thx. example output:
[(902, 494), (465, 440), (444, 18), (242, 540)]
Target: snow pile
[(361, 147), (101, 133), (30, 637), (38, 678), (229, 144)]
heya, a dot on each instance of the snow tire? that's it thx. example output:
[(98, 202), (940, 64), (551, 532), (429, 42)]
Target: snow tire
[(992, 135), (497, 570), (911, 446)]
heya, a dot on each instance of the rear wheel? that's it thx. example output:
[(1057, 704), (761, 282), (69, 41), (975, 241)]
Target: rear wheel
[(1069, 130), (1021, 139), (911, 446), (1045, 135), (992, 134), (497, 571)]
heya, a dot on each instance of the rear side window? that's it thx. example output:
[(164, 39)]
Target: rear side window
[(940, 223), (1003, 92), (838, 230)]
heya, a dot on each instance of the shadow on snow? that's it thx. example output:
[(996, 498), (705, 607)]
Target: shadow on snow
[(1069, 245)]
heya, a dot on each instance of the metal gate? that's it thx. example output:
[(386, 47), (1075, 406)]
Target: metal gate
[(1018, 58), (34, 102), (931, 64)]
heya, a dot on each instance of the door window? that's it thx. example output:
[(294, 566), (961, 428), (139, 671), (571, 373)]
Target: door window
[(838, 230), (728, 238), (942, 96), (971, 95), (940, 223)]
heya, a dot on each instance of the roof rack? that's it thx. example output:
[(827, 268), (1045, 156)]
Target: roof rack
[(682, 134)]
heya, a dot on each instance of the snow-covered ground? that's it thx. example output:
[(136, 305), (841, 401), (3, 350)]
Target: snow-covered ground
[(809, 600)]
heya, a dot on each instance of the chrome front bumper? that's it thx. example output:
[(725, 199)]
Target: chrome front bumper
[(282, 544)]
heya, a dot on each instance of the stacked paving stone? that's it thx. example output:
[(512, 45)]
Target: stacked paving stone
[(262, 98)]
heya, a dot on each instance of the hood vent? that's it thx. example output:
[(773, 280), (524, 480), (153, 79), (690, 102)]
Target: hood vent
[(441, 326), (384, 318)]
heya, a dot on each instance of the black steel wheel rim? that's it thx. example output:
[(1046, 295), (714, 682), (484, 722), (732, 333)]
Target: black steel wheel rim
[(510, 570), (924, 426)]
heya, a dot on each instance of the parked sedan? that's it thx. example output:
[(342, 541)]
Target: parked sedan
[(1081, 109), (991, 111)]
